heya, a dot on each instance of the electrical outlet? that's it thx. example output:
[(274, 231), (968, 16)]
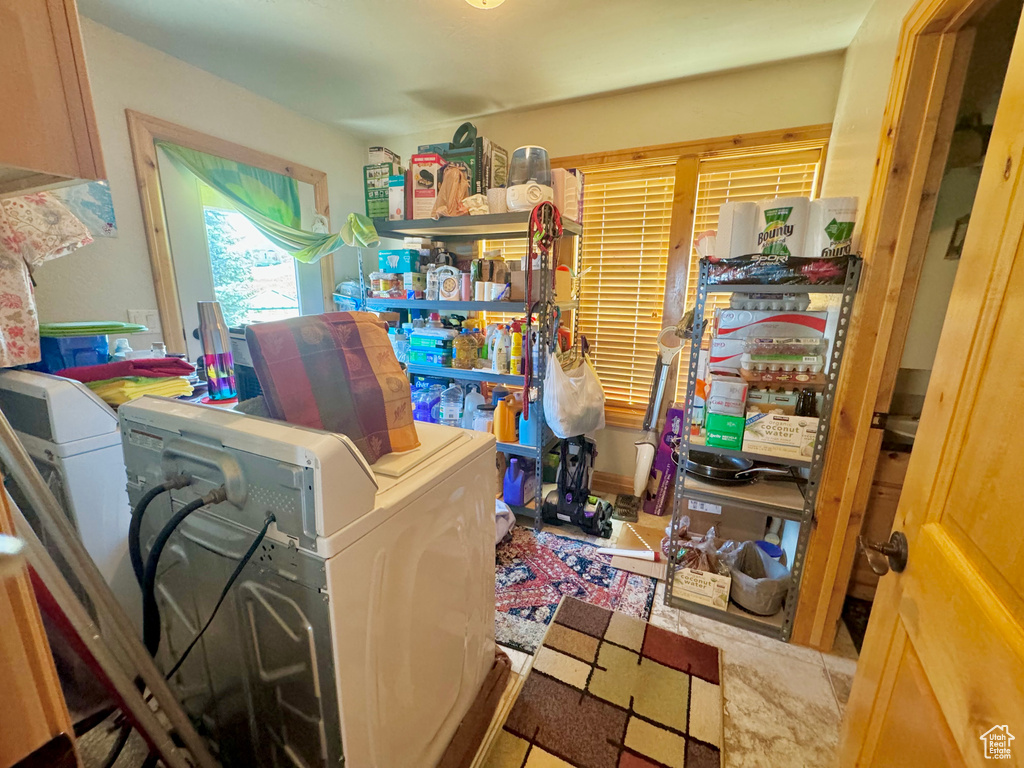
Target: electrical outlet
[(147, 317)]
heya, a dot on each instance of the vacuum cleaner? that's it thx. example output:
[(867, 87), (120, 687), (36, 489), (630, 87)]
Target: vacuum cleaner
[(571, 501)]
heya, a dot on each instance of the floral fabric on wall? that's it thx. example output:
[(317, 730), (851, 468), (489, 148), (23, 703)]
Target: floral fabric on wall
[(33, 229)]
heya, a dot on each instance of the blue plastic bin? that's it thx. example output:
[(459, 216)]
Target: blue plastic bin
[(70, 352)]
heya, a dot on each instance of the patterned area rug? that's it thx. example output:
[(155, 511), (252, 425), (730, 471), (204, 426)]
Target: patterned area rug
[(610, 691), (534, 571)]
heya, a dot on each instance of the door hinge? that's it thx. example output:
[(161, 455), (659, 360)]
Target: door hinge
[(879, 420)]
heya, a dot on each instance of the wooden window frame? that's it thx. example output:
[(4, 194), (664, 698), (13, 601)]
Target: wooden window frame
[(684, 198), (143, 133)]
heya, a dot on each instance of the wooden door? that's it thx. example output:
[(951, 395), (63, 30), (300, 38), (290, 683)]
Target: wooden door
[(941, 677)]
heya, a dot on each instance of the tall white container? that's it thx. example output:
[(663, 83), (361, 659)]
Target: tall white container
[(830, 227), (782, 226), (736, 223)]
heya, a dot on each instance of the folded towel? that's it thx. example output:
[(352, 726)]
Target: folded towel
[(154, 368), (122, 390), (89, 328)]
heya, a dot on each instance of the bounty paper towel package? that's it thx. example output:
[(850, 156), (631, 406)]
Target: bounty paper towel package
[(830, 227), (736, 224), (782, 226)]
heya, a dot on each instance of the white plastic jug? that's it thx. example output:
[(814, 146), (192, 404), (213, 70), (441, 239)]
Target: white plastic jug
[(473, 400)]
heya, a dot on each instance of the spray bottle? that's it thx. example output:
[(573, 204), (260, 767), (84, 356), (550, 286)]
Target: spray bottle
[(515, 361)]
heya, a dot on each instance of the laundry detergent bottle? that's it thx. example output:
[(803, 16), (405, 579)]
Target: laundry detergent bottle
[(505, 421)]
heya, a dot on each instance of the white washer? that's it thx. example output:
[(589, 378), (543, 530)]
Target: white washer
[(364, 627), (74, 440)]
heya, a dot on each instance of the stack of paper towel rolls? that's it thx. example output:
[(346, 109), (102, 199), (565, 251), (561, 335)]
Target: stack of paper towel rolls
[(797, 226)]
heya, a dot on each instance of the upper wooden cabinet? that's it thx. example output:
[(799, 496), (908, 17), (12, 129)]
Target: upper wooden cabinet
[(47, 125)]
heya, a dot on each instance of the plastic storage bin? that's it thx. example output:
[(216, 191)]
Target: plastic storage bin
[(71, 351)]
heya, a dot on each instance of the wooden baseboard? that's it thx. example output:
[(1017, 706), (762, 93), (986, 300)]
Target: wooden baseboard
[(607, 482)]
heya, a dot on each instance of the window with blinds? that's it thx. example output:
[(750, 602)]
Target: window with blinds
[(627, 216), (744, 176)]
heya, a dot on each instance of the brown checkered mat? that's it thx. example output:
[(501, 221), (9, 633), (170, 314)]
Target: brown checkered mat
[(610, 691)]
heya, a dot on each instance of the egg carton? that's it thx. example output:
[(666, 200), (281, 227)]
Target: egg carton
[(776, 302), (783, 363)]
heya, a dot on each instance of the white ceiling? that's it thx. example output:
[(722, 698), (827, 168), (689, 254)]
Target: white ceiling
[(388, 67)]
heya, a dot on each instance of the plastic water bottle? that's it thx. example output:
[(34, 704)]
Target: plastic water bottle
[(451, 406), (473, 401)]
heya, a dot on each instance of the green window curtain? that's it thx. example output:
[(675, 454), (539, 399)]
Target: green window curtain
[(271, 202)]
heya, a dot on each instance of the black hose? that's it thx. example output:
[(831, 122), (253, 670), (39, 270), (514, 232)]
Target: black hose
[(135, 527), (150, 611), (224, 592)]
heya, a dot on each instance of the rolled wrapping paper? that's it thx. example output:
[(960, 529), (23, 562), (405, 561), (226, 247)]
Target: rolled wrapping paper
[(782, 226), (830, 225), (735, 236)]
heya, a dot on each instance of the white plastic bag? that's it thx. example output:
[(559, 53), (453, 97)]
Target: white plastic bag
[(573, 400), (504, 520)]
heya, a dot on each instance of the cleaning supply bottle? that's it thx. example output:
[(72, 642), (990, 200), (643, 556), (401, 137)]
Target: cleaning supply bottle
[(500, 351), (514, 485), (481, 343), (515, 360), (121, 351), (505, 421), (498, 393), (451, 406), (435, 321), (529, 429), (473, 401)]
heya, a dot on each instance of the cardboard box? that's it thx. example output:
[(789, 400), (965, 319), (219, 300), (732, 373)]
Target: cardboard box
[(379, 155), (726, 355), (396, 197), (700, 392), (517, 279), (485, 162), (663, 469), (424, 174), (415, 281), (791, 437), (782, 324), (724, 431), (732, 522), (375, 187), (702, 587), (726, 395), (399, 260), (635, 536)]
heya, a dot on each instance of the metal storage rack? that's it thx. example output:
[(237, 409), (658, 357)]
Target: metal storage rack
[(500, 226), (777, 499)]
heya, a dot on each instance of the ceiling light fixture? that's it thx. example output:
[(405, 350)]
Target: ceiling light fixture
[(485, 4)]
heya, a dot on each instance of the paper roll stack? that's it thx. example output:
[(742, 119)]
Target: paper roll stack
[(830, 227), (736, 223), (782, 226)]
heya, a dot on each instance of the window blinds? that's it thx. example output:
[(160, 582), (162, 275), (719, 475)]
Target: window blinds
[(737, 177), (627, 215)]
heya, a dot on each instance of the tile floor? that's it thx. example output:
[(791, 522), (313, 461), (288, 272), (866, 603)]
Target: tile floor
[(783, 703)]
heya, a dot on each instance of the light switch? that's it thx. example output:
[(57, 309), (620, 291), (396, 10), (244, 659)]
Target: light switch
[(147, 317)]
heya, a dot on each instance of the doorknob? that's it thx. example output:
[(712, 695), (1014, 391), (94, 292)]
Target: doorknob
[(883, 555)]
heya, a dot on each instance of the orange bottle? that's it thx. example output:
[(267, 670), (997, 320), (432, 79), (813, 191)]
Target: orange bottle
[(505, 421)]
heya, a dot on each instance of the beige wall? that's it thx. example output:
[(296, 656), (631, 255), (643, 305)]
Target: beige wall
[(857, 126), (104, 280), (784, 95)]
